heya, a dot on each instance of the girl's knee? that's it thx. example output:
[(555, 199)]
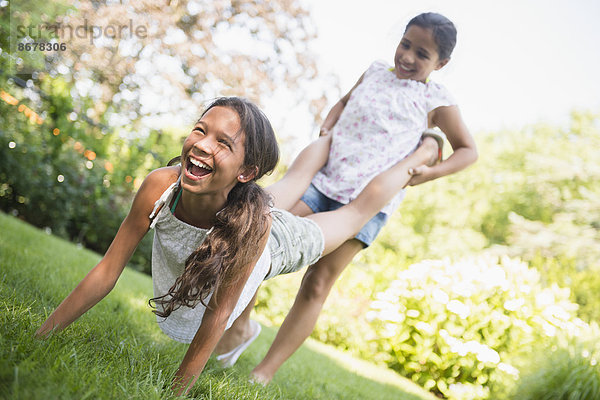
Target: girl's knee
[(317, 283)]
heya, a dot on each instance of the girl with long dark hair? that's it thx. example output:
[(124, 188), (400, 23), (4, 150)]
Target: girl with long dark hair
[(218, 234)]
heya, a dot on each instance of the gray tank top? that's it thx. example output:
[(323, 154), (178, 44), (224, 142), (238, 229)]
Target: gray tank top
[(174, 241)]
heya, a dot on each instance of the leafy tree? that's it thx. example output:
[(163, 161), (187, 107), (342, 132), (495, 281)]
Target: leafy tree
[(140, 59), (125, 66)]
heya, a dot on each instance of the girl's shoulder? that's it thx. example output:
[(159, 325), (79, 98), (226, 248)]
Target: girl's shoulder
[(151, 190), (380, 64), (435, 86), (376, 66), (438, 95), (157, 182), (164, 176)]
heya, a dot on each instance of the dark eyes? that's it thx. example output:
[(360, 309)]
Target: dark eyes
[(420, 54), (200, 131), (225, 143)]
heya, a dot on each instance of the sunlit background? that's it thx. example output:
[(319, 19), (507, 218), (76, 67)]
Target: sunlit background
[(515, 63), (484, 284)]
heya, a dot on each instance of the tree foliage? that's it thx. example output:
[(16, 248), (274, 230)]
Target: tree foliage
[(90, 116), (140, 59)]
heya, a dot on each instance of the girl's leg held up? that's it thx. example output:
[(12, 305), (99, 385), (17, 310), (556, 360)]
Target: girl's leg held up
[(287, 191), (345, 222), (338, 226)]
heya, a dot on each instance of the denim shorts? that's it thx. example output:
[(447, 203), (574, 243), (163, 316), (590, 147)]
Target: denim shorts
[(318, 202), (294, 243)]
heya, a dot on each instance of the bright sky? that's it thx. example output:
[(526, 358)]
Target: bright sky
[(515, 63)]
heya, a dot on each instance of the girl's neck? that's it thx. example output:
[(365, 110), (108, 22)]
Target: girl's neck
[(199, 210), (408, 79), (414, 80)]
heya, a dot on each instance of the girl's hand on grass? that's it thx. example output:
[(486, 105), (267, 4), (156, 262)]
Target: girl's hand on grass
[(42, 333)]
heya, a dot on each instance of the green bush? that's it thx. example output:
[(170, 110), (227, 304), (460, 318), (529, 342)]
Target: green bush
[(73, 177), (533, 195), (46, 179), (455, 327), (540, 173), (568, 370)]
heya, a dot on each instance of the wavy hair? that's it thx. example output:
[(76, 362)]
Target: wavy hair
[(238, 227)]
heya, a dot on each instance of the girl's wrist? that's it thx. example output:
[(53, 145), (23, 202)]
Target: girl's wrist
[(324, 131), (437, 171)]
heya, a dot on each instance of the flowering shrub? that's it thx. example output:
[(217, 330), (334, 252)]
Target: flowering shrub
[(455, 327), (532, 195)]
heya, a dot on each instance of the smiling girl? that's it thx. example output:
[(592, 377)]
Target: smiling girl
[(377, 123), (216, 234)]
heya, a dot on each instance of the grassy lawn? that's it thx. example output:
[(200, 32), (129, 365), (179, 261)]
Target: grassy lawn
[(117, 350)]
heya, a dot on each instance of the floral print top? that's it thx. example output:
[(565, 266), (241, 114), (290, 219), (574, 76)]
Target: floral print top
[(381, 124)]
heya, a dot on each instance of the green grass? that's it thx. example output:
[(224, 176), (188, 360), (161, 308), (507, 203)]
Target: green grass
[(117, 351)]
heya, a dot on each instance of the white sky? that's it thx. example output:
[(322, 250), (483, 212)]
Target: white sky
[(515, 63)]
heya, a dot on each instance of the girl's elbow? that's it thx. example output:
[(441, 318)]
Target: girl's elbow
[(218, 315), (474, 155), (104, 277), (469, 153)]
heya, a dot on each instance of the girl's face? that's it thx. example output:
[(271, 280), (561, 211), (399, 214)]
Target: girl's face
[(212, 157), (417, 55)]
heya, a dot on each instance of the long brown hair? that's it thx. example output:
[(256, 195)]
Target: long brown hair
[(238, 227)]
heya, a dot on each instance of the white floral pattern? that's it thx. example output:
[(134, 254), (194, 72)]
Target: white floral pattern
[(380, 125)]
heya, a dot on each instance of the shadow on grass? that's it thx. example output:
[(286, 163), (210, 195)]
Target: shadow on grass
[(312, 374)]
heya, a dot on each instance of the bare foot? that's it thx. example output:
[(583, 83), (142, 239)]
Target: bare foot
[(260, 379)]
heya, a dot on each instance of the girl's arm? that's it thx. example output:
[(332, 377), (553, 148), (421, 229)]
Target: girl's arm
[(103, 277), (449, 120), (336, 110), (214, 322)]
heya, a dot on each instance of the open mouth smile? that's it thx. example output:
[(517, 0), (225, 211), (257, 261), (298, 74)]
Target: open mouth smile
[(196, 169), (404, 69)]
